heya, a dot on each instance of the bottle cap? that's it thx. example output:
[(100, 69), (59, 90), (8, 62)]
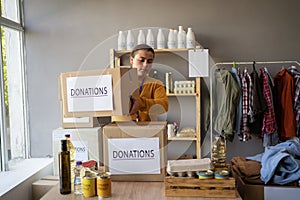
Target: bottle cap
[(78, 163)]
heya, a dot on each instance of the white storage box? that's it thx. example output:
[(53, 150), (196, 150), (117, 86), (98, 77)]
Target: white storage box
[(90, 138)]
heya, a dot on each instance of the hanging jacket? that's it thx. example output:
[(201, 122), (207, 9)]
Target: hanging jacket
[(259, 103), (283, 99), (238, 118), (225, 120)]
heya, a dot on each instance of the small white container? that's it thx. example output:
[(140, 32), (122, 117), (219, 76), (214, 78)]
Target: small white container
[(130, 40), (190, 39), (121, 41), (170, 130), (181, 38), (171, 39), (160, 39), (150, 39), (141, 37)]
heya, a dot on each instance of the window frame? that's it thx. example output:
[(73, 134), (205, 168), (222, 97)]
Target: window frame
[(7, 23)]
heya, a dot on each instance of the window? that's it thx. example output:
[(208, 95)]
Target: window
[(13, 116)]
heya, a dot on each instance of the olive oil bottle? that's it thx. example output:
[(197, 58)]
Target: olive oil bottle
[(72, 151), (64, 169)]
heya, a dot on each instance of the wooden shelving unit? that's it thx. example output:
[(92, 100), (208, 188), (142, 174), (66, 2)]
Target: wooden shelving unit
[(115, 61)]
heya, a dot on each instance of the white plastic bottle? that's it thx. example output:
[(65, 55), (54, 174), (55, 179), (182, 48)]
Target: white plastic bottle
[(190, 39), (77, 179), (171, 40), (130, 40), (141, 37), (121, 41), (160, 39), (150, 38), (175, 36), (181, 40)]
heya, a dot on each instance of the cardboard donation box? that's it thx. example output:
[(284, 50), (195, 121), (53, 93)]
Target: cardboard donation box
[(135, 151), (80, 122), (83, 122), (98, 93)]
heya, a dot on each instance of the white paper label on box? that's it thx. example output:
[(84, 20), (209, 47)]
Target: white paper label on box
[(76, 120), (90, 93), (198, 63), (134, 155), (81, 152)]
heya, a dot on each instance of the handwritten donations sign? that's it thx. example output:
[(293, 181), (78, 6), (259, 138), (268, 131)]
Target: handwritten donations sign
[(90, 93), (134, 155)]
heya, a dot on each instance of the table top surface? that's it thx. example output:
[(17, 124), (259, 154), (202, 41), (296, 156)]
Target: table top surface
[(129, 190)]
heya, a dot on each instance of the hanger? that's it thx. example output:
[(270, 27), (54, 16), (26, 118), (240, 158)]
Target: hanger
[(253, 66), (233, 64)]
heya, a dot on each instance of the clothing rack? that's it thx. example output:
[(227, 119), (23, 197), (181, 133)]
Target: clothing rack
[(231, 64)]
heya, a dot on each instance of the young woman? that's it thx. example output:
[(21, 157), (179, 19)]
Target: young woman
[(152, 99)]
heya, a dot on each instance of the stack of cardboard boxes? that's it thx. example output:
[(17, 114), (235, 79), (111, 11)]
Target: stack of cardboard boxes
[(89, 99), (96, 103)]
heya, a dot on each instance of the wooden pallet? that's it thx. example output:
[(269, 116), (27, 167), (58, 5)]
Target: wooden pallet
[(185, 186)]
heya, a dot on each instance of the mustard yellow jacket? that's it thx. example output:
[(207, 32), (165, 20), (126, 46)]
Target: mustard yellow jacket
[(153, 100)]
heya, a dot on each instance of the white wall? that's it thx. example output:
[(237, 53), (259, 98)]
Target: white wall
[(69, 35)]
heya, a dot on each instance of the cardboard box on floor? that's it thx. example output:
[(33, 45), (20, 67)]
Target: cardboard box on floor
[(133, 130), (266, 192), (124, 84)]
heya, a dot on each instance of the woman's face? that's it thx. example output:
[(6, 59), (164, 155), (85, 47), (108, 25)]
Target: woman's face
[(142, 61)]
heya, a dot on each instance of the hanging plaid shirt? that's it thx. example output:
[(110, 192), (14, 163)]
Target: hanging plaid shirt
[(250, 97), (245, 131), (296, 75), (269, 120)]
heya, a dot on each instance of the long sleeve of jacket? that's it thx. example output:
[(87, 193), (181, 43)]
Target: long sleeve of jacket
[(153, 100)]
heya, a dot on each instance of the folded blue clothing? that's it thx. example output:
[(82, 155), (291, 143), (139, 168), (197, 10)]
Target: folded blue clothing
[(280, 163)]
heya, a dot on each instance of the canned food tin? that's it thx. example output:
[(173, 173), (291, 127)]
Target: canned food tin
[(89, 186), (222, 174), (103, 185), (208, 174)]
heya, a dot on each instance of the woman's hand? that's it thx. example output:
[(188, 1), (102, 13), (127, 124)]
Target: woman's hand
[(135, 106)]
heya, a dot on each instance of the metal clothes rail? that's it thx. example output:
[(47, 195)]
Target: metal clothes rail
[(258, 62)]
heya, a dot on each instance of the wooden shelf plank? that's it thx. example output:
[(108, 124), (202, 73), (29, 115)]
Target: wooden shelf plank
[(120, 52), (183, 138)]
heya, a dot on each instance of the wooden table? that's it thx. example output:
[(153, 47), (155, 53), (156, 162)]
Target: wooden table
[(129, 191)]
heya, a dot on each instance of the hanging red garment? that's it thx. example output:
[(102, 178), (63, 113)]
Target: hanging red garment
[(269, 125), (284, 94)]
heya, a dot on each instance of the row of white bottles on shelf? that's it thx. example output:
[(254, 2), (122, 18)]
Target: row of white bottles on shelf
[(175, 39)]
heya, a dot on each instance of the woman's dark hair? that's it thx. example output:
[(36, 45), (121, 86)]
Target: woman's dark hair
[(141, 47)]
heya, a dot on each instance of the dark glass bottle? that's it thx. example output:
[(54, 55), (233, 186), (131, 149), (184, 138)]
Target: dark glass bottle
[(64, 169)]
